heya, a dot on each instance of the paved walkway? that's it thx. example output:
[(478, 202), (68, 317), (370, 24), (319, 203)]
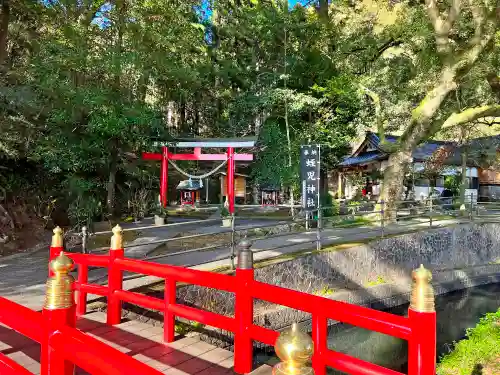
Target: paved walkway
[(23, 276), (186, 356), (142, 247)]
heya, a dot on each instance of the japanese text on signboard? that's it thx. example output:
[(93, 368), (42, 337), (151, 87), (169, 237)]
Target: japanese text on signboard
[(309, 170)]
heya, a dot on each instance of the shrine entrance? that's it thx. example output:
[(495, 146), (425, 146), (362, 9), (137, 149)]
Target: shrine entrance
[(270, 195), (229, 158)]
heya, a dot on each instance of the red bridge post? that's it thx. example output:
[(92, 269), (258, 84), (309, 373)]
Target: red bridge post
[(81, 297), (243, 344), (115, 277), (56, 246), (320, 339), (59, 310), (422, 316), (170, 295)]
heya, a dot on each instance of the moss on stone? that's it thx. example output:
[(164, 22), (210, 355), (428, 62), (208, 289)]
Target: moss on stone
[(378, 281)]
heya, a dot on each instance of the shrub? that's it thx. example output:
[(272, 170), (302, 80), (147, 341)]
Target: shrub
[(331, 206)]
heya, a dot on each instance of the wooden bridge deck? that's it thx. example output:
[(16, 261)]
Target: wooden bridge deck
[(185, 356)]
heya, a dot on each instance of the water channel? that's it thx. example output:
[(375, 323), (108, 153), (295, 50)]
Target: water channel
[(456, 312)]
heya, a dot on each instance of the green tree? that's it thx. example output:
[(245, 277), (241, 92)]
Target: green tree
[(413, 57)]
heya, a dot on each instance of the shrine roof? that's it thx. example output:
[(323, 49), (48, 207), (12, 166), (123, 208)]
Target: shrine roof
[(362, 158), (189, 185), (242, 142), (370, 150), (235, 173), (270, 187)]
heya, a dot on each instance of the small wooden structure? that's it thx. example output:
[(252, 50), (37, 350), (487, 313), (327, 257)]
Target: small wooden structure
[(190, 191), (489, 184), (270, 195), (240, 186)]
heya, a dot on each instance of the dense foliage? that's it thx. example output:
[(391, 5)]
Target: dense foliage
[(86, 85)]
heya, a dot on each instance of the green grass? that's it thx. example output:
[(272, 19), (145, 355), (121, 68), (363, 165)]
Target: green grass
[(103, 240), (325, 291), (279, 214), (190, 214), (479, 353), (357, 221), (379, 281)]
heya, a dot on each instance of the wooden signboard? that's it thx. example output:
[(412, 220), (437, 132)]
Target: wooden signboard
[(240, 186), (310, 176), (489, 176)]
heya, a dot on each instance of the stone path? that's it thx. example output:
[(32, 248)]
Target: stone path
[(23, 276), (186, 356), (142, 246)]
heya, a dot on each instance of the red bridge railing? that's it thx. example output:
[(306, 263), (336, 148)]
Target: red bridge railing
[(62, 345), (419, 328)]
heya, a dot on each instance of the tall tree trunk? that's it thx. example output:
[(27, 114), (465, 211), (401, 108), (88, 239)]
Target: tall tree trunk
[(113, 163), (456, 64), (464, 175), (394, 175), (196, 108), (289, 143), (143, 86), (255, 193), (323, 10), (287, 125), (171, 120), (4, 30), (324, 181), (111, 188), (416, 132), (183, 128)]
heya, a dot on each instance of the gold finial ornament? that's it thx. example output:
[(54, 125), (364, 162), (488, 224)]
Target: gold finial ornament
[(295, 348), (117, 239), (422, 293), (59, 293), (57, 238)]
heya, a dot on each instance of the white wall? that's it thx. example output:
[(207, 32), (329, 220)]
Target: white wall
[(422, 192), (449, 170)]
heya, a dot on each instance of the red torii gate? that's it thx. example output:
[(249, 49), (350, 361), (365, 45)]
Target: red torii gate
[(197, 144)]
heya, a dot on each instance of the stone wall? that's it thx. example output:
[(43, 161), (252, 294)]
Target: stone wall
[(392, 258), (377, 274)]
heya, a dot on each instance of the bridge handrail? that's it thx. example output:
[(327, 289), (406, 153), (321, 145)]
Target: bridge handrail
[(94, 356), (418, 328), (10, 367), (27, 322), (63, 345), (362, 317)]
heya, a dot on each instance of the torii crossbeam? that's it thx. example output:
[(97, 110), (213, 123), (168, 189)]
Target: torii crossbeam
[(230, 156)]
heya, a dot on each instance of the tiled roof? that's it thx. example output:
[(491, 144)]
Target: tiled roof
[(363, 158), (189, 185), (422, 152)]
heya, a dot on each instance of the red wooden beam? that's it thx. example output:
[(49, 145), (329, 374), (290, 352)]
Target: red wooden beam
[(355, 366), (27, 322), (151, 156), (196, 156), (10, 367), (211, 157)]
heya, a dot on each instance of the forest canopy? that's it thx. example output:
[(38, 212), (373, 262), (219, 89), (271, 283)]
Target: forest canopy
[(85, 85)]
